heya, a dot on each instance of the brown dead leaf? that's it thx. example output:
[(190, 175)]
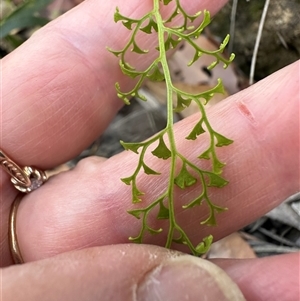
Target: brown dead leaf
[(158, 89), (232, 246), (197, 74), (58, 170)]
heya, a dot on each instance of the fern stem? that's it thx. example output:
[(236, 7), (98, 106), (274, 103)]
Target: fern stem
[(169, 126)]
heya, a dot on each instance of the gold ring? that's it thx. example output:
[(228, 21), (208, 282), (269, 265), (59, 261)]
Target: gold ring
[(12, 231), (25, 180)]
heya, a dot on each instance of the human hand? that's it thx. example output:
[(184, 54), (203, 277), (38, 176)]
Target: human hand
[(58, 100)]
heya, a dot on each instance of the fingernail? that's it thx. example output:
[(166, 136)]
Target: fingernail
[(188, 278)]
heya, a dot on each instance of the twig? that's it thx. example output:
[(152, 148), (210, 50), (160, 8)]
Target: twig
[(274, 249), (293, 198), (257, 42), (232, 25), (278, 238)]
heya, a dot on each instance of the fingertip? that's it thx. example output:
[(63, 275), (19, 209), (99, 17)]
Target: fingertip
[(264, 279), (186, 278), (119, 272)]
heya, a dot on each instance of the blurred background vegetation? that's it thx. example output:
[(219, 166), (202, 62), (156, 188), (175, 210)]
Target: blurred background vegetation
[(19, 19), (279, 46)]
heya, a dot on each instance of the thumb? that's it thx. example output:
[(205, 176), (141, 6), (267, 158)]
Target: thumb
[(119, 273), (188, 278)]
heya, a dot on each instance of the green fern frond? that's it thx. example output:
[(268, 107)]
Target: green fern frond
[(169, 36)]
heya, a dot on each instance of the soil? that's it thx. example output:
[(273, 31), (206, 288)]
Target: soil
[(280, 42)]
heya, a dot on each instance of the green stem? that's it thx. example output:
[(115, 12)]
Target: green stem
[(170, 121), (209, 128)]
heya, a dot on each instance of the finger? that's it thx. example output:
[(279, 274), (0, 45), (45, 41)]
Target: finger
[(119, 273), (270, 278), (87, 206), (63, 95)]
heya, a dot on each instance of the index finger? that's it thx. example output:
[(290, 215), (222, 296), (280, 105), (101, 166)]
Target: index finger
[(58, 99), (87, 206)]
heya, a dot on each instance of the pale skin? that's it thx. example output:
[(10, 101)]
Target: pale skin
[(57, 96)]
